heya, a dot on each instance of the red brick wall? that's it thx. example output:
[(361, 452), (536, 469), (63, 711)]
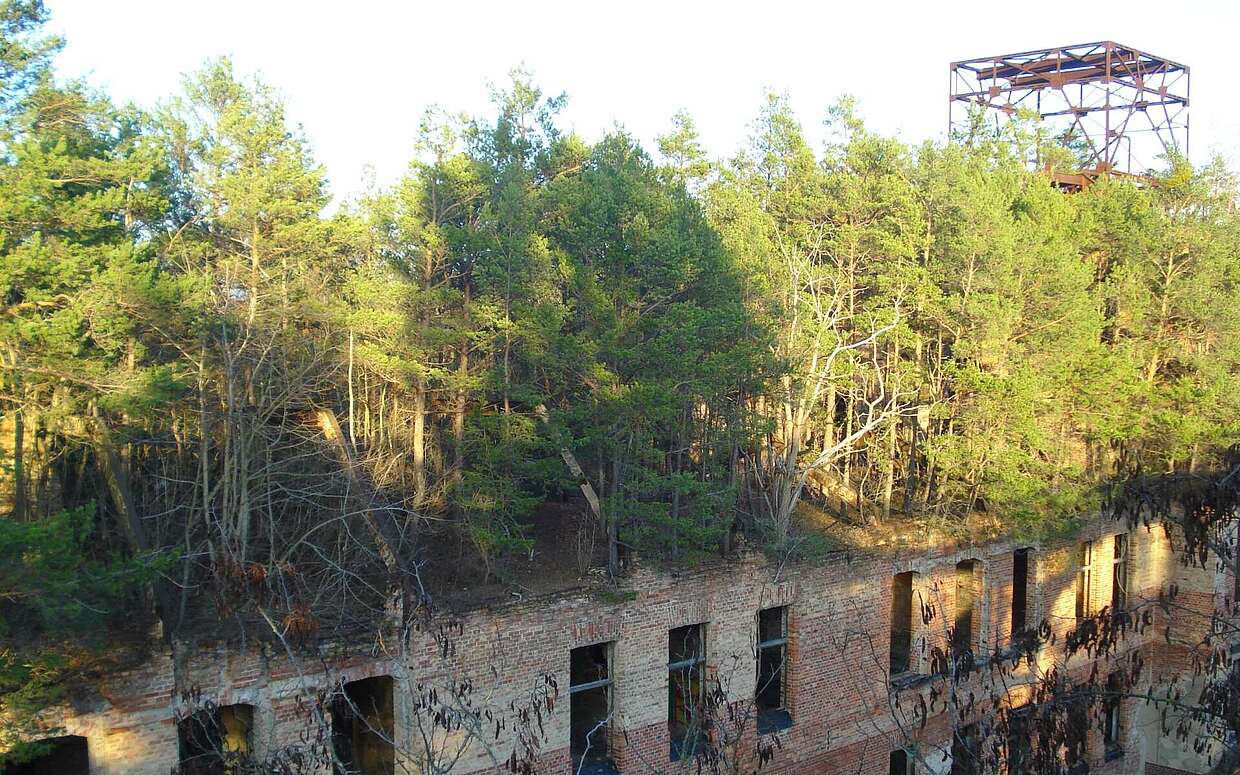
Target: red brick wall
[(844, 716)]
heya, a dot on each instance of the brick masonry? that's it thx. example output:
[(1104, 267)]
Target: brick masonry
[(843, 713)]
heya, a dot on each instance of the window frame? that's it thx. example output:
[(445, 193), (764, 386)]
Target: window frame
[(1076, 755), (679, 744), (1120, 568), (902, 637), (1235, 571), (966, 580), (63, 754), (773, 719), (350, 708), (1113, 722), (1020, 614), (901, 762), (1084, 580), (1019, 731), (607, 684), (967, 739), (203, 737)]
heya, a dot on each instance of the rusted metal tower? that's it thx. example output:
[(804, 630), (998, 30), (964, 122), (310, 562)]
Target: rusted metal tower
[(1121, 107)]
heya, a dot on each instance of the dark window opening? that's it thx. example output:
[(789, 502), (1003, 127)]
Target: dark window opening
[(1235, 574), (966, 751), (363, 728), (589, 693), (1076, 740), (1112, 726), (1084, 579), (772, 690), (901, 763), (686, 688), (1019, 742), (1119, 575), (962, 633), (61, 755), (901, 622), (215, 740), (1020, 591)]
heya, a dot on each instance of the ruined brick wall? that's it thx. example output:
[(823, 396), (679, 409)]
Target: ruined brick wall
[(839, 696)]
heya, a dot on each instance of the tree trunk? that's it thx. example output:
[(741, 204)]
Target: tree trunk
[(462, 397), (890, 473), (254, 274), (911, 466), (419, 441), (828, 425), (848, 429), (380, 522), (352, 411), (19, 464), (117, 481)]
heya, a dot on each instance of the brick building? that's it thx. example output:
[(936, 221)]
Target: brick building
[(841, 646)]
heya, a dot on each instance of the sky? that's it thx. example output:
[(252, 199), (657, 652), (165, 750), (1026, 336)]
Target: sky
[(359, 75)]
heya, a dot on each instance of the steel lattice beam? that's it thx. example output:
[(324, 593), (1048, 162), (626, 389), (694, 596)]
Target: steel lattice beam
[(1129, 107)]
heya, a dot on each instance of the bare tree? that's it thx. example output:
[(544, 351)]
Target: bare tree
[(831, 349)]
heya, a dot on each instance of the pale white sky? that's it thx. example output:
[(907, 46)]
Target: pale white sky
[(358, 75)]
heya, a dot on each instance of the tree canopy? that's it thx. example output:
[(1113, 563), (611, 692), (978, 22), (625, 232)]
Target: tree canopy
[(299, 415)]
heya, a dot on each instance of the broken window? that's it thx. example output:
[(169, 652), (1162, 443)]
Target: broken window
[(772, 690), (901, 622), (1019, 742), (215, 740), (962, 634), (61, 755), (363, 728), (1084, 579), (1076, 738), (686, 689), (589, 693), (1119, 574), (1113, 722), (901, 763), (966, 751), (1020, 591), (1235, 573)]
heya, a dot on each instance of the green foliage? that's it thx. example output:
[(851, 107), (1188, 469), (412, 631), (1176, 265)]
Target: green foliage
[(271, 394), (61, 608), (25, 56), (662, 357), (505, 482)]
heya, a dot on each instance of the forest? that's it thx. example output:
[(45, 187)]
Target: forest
[(227, 400)]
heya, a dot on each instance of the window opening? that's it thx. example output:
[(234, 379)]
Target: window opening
[(363, 728), (1113, 722), (962, 634), (589, 690), (901, 622), (65, 755), (686, 689), (215, 740), (772, 689), (1119, 574), (966, 750), (1084, 579), (1020, 591), (1019, 742), (901, 763)]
